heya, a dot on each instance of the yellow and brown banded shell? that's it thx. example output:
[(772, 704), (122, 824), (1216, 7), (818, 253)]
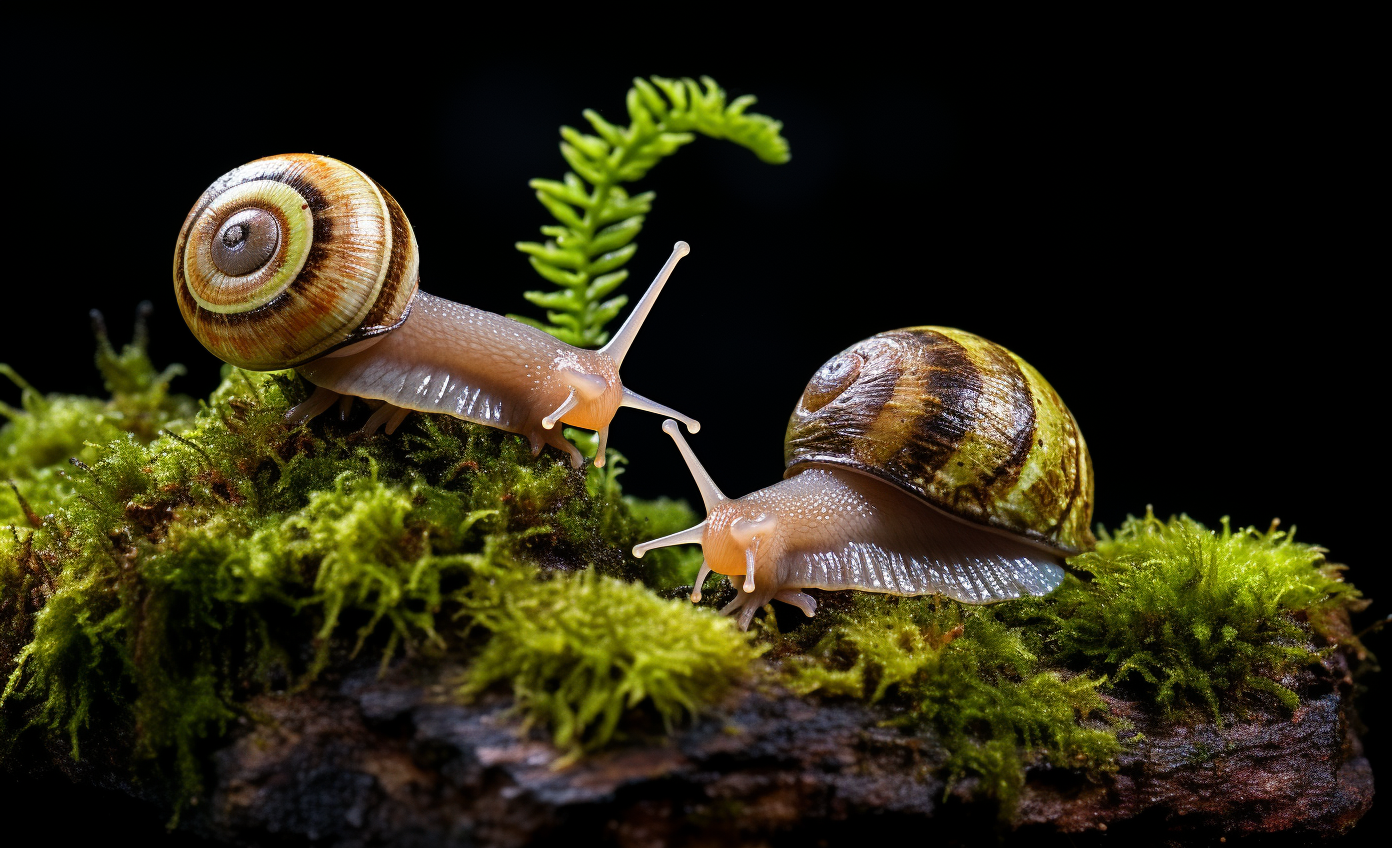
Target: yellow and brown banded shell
[(290, 257), (957, 420)]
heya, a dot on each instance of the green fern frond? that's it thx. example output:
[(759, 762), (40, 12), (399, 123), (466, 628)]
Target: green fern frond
[(585, 255)]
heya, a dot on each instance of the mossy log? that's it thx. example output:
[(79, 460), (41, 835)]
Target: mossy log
[(274, 634), (363, 760)]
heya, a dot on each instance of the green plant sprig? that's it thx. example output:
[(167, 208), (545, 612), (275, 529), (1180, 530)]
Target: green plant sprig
[(584, 256)]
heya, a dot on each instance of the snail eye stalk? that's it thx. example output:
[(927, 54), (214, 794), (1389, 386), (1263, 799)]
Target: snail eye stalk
[(618, 346)]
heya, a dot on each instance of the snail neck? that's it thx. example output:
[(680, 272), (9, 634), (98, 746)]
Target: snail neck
[(477, 365)]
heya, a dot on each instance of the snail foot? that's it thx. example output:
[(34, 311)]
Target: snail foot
[(312, 406), (387, 414), (557, 441), (801, 600)]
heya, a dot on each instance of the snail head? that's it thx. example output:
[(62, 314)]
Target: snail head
[(738, 535), (594, 390)]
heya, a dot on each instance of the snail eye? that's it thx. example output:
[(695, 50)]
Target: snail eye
[(245, 241), (831, 380)]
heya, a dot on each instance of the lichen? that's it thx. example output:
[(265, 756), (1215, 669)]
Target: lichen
[(1195, 617)]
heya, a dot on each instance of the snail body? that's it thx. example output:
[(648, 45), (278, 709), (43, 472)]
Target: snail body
[(919, 461), (301, 261)]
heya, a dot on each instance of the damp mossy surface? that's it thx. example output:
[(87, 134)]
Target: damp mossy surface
[(162, 574), (169, 559), (1197, 618), (1200, 623), (963, 673)]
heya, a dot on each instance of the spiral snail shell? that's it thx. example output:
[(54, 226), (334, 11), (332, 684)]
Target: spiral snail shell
[(919, 461), (302, 261), (290, 257)]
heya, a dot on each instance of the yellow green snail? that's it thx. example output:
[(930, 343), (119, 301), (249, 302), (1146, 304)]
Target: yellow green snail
[(302, 261), (919, 461)]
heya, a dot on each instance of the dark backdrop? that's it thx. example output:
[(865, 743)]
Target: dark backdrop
[(1172, 229)]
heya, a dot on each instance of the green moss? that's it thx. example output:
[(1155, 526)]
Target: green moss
[(967, 676), (580, 650), (1174, 614), (180, 573), (1196, 617), (47, 430), (168, 561)]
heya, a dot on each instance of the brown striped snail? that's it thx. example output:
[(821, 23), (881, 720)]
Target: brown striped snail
[(301, 261), (919, 461)]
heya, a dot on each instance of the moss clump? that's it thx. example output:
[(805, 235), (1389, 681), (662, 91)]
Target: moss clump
[(47, 430), (582, 649), (188, 560), (1197, 617), (967, 676), (1175, 615)]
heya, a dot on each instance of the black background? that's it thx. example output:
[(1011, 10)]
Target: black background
[(1173, 225)]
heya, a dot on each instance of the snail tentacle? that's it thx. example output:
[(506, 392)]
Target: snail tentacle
[(751, 559), (689, 536), (700, 581), (745, 531), (589, 387), (566, 406), (603, 434), (710, 493), (618, 346), (633, 400)]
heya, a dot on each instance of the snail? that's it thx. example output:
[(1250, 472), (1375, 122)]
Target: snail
[(919, 461), (302, 261)]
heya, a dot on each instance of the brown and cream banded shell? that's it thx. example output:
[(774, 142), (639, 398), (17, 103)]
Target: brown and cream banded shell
[(956, 420), (287, 258)]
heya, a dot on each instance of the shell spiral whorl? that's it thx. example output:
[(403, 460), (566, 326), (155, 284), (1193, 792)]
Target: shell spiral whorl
[(290, 257), (957, 420)]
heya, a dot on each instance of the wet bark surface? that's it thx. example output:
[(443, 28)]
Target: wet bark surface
[(363, 761)]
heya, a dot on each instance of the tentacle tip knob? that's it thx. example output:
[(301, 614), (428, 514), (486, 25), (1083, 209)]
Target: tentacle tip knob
[(693, 427), (696, 596), (638, 551), (670, 427), (681, 248), (599, 461), (548, 423)]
